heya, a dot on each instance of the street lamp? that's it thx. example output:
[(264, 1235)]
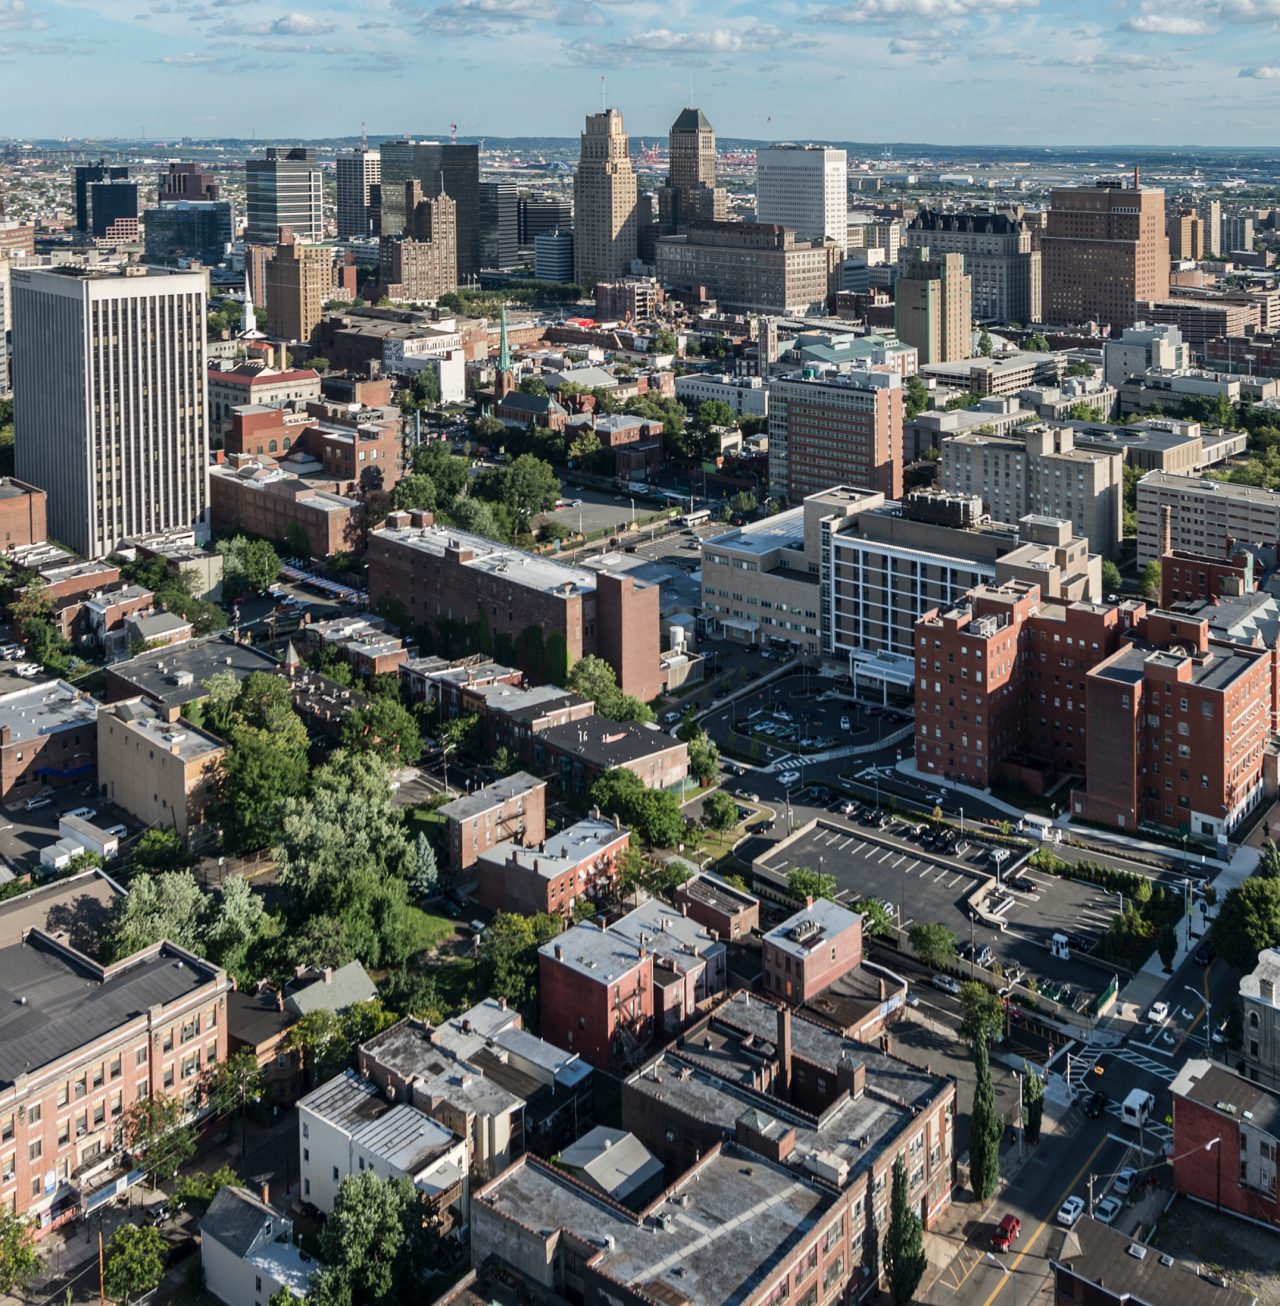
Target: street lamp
[(1208, 1019), (962, 820), (1218, 1142), (1021, 1124)]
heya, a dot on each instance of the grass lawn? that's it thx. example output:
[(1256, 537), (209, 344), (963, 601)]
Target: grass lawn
[(429, 931)]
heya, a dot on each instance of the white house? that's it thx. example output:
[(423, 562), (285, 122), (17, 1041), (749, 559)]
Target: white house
[(247, 1250)]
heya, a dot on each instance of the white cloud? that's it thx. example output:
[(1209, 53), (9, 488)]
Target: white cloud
[(888, 11), (186, 60), (299, 24), (1117, 63), (1249, 11), (1263, 72), (18, 16), (1167, 25), (486, 17)]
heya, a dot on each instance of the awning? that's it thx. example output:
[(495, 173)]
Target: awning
[(736, 623)]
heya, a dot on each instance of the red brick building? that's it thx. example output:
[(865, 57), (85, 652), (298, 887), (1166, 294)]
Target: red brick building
[(48, 736), (566, 612), (1179, 724), (595, 995), (554, 875), (719, 906), (260, 498), (1186, 577), (581, 751), (811, 950), (1000, 684), (1226, 1134), (82, 1049), (511, 812), (22, 514)]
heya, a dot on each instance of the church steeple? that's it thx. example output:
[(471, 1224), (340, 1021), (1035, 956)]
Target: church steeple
[(505, 382), (249, 319)]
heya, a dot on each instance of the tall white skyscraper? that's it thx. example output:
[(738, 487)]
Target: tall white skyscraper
[(358, 172), (110, 400), (606, 233), (804, 187)]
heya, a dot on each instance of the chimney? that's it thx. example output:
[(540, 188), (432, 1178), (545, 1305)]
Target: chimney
[(1166, 530), (808, 902), (328, 974), (559, 952), (851, 1075), (784, 1050), (266, 1194)]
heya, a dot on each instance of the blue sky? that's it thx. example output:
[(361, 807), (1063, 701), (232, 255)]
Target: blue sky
[(943, 71)]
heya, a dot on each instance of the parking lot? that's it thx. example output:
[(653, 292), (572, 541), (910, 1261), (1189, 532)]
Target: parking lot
[(918, 884), (24, 833)]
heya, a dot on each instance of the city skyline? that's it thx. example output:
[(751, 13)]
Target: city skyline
[(1034, 72)]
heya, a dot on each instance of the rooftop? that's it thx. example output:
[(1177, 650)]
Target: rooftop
[(45, 709), (562, 852), (254, 1018), (176, 675), (785, 530), (1268, 969), (329, 989), (818, 923), (717, 1236), (614, 1159), (79, 908), (1215, 671), (180, 738), (53, 1001), (717, 894), (675, 939), (492, 795), (602, 955), (1252, 494), (604, 743), (1213, 1086)]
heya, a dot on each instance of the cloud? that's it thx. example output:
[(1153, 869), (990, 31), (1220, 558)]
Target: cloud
[(1249, 11), (190, 60), (486, 17), (664, 43), (1262, 72), (291, 24), (1117, 63), (1157, 24), (922, 49), (18, 16), (890, 11)]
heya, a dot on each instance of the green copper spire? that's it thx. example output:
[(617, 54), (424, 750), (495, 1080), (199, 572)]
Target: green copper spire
[(504, 352)]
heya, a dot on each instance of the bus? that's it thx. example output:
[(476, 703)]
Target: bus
[(695, 518)]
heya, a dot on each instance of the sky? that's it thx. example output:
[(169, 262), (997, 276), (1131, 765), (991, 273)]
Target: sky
[(950, 72)]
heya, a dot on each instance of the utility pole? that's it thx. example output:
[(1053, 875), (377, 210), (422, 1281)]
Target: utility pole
[(1091, 1197), (102, 1270)]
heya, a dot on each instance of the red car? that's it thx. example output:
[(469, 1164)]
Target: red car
[(1006, 1233)]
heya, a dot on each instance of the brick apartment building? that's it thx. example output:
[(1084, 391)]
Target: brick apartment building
[(511, 811), (86, 1044), (595, 995), (22, 514), (442, 573), (718, 906), (574, 866), (260, 498), (581, 751), (445, 681), (1000, 684), (1191, 577), (1178, 726), (1226, 1133), (65, 575), (48, 737), (367, 644), (100, 619), (260, 1023), (811, 950)]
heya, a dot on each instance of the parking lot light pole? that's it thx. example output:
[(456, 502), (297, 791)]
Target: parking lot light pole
[(1208, 1019), (962, 820)]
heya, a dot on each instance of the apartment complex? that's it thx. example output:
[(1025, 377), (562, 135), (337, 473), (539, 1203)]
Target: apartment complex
[(575, 866), (606, 219), (440, 573), (1206, 517), (359, 192), (47, 737), (1104, 250), (690, 194), (1260, 1000), (254, 495), (283, 189), (1001, 258), (748, 267), (510, 811), (804, 188), (835, 428), (1200, 320), (111, 419), (421, 264), (933, 305), (1186, 236), (1040, 470), (87, 1043)]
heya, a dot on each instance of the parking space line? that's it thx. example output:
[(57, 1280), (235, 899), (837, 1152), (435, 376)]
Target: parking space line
[(880, 861), (942, 875), (900, 860), (954, 882)]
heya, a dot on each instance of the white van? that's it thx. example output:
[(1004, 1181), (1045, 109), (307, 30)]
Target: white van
[(1136, 1109)]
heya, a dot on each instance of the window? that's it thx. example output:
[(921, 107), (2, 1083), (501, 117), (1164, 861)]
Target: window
[(306, 1154), (33, 1113), (335, 1174), (35, 1149), (306, 1187), (140, 1057)]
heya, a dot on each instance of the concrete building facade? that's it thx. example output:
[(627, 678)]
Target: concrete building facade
[(359, 180), (606, 232), (1260, 1000), (804, 188), (1206, 517), (933, 305)]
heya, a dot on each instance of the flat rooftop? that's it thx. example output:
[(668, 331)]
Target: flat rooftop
[(52, 1002), (176, 675), (1251, 494), (180, 738), (810, 927), (1210, 1085), (783, 531), (1223, 665), (601, 954), (79, 908), (716, 1236), (493, 795), (718, 895), (676, 940), (572, 846), (46, 709), (607, 743)]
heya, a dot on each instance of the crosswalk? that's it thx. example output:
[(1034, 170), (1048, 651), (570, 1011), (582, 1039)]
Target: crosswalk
[(1082, 1079)]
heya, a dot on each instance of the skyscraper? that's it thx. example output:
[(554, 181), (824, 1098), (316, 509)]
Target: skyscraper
[(358, 171), (422, 263), (933, 305), (441, 169), (85, 176), (690, 194), (187, 181), (299, 280), (111, 409), (499, 212), (191, 229), (1104, 248), (283, 190), (806, 188), (604, 202), (542, 213)]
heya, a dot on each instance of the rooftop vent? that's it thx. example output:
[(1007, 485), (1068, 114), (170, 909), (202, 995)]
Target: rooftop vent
[(1137, 1251)]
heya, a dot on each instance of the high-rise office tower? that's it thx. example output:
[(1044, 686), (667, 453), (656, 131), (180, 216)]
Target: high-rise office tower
[(299, 280), (283, 190), (541, 214), (690, 194), (111, 403), (1211, 220), (604, 202), (187, 229), (358, 172), (499, 212), (423, 262), (1237, 233), (441, 169), (1104, 249), (114, 211), (806, 188), (933, 305), (187, 181), (85, 175)]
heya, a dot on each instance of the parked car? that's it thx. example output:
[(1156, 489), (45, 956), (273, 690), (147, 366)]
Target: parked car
[(119, 831), (1205, 953), (670, 718), (946, 984), (760, 827), (1071, 1210), (84, 813), (1158, 1013), (1125, 1181), (1005, 1233), (1095, 1104), (1106, 1210), (159, 1214), (32, 804), (844, 723)]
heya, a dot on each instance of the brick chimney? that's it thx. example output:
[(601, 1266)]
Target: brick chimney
[(784, 1051), (266, 1194), (850, 1075)]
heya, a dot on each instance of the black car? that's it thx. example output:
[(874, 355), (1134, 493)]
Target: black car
[(180, 1250), (760, 827), (1095, 1104), (1205, 953)]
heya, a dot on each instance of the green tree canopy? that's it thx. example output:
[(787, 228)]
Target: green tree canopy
[(19, 1260), (1032, 1103), (719, 810), (904, 1256), (248, 565), (1151, 581), (986, 1127), (704, 758), (1112, 581), (509, 950), (417, 490), (983, 1014), (157, 1135), (386, 728), (134, 1261), (1248, 921), (802, 883), (653, 814), (935, 945)]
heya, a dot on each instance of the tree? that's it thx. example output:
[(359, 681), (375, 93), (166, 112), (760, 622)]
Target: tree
[(159, 849), (1032, 1103), (229, 925), (249, 566), (385, 727), (477, 517), (743, 504), (664, 342), (904, 1258), (261, 770), (1038, 344), (804, 883), (169, 906), (704, 758), (592, 677), (235, 1085), (156, 1134), (935, 945), (320, 1044), (1269, 861), (627, 707), (985, 346), (417, 490), (876, 921), (134, 1261), (525, 487), (719, 811), (713, 412), (202, 1186), (653, 814), (426, 873), (1248, 921), (916, 399), (982, 1016), (1151, 578), (509, 950), (1112, 581), (19, 1260), (1167, 945), (985, 1129), (448, 473)]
